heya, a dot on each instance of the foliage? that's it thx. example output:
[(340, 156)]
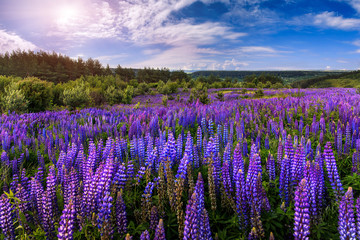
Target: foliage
[(38, 93), (13, 99), (77, 96), (128, 95), (113, 95), (164, 100)]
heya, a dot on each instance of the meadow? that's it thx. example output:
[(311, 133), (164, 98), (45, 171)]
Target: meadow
[(281, 166)]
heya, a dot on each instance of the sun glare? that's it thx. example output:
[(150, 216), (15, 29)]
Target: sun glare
[(67, 14)]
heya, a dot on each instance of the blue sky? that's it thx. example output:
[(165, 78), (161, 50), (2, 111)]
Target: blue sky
[(188, 34)]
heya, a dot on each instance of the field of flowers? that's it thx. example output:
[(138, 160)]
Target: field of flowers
[(280, 167)]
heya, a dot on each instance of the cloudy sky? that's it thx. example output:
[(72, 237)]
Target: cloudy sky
[(188, 34)]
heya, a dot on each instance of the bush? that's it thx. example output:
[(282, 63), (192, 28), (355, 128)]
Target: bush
[(78, 96), (37, 92), (164, 100), (220, 96), (277, 86), (14, 99), (259, 93), (113, 95), (128, 95), (143, 88), (172, 87)]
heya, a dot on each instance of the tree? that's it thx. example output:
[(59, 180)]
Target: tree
[(37, 92), (78, 96), (14, 99)]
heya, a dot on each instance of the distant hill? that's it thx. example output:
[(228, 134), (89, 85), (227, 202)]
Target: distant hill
[(345, 80), (288, 76)]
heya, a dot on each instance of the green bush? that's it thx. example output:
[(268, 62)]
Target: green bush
[(37, 92), (277, 86), (128, 94), (78, 96), (220, 96), (164, 100), (113, 95), (14, 99), (172, 87), (259, 93)]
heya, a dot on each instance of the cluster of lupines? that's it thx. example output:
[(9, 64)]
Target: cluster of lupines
[(113, 167)]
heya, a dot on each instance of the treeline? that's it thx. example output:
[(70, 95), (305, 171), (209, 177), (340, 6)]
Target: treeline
[(57, 68), (282, 74), (310, 82)]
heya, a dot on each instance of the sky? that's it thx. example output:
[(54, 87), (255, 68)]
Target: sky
[(188, 34)]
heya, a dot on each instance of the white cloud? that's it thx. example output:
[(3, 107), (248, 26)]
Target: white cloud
[(328, 68), (354, 3), (107, 58), (257, 49), (331, 20), (233, 63), (11, 41)]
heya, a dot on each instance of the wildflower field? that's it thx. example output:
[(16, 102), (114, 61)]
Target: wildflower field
[(284, 166)]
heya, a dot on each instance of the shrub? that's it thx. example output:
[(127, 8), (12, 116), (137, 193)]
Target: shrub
[(113, 95), (78, 96), (172, 87), (14, 99), (220, 96), (259, 93), (128, 94), (97, 97), (37, 92), (277, 86), (164, 100), (143, 88)]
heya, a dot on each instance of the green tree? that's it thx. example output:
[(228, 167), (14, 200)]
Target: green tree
[(128, 94), (37, 92), (113, 95), (14, 99), (77, 96)]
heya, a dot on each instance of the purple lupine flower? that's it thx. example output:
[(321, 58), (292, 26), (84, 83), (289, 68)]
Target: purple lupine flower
[(48, 214), (36, 195), (105, 180), (6, 217), (279, 155), (297, 165), (270, 167), (347, 145), (238, 161), (333, 174), (241, 201), (302, 214), (145, 235), (347, 227), (24, 206), (284, 180), (104, 217), (191, 219), (358, 217), (154, 218), (226, 177), (120, 177), (160, 231), (51, 187), (339, 139), (121, 220), (67, 221)]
